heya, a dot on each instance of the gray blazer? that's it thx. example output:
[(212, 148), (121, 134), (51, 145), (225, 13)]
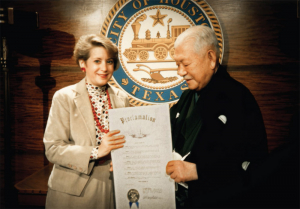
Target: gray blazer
[(70, 136)]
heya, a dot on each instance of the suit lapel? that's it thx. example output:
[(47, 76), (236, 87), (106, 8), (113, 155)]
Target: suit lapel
[(115, 100), (194, 120), (184, 128), (192, 125), (177, 120), (82, 102)]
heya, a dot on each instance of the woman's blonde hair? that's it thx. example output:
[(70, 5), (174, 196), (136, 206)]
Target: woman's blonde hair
[(87, 42)]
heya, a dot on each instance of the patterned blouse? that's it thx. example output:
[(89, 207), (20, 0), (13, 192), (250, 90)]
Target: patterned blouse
[(99, 100)]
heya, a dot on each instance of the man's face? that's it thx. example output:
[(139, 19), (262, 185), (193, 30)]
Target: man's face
[(196, 69)]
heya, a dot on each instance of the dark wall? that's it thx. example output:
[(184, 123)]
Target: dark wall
[(261, 51)]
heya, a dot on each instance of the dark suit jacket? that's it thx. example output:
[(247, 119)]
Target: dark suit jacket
[(219, 149)]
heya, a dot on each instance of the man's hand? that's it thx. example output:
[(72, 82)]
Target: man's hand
[(182, 171), (110, 142)]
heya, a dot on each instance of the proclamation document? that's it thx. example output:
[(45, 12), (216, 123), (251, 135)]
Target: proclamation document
[(140, 178)]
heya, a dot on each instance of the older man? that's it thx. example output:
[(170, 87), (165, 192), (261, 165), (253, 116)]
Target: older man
[(216, 123)]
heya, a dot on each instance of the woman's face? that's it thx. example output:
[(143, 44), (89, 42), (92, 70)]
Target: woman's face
[(99, 67)]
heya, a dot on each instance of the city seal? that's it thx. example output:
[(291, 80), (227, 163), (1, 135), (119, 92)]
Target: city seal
[(145, 32)]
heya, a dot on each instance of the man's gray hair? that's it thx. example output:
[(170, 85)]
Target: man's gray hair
[(202, 36)]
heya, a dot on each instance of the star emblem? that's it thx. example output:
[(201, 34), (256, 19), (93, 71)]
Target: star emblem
[(158, 18)]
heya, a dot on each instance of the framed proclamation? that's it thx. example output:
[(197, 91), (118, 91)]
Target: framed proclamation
[(140, 178)]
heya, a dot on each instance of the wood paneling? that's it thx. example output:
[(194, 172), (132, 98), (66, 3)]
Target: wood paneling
[(259, 32), (261, 51)]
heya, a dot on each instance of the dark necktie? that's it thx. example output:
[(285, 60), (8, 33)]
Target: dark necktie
[(197, 95)]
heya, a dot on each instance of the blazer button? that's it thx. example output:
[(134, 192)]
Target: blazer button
[(80, 169), (69, 165), (74, 167)]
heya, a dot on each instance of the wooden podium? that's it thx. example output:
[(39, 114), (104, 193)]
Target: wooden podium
[(32, 190)]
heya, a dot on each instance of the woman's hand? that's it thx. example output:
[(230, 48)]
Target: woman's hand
[(110, 142), (111, 167)]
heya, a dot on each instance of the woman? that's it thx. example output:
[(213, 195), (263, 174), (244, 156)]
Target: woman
[(77, 137)]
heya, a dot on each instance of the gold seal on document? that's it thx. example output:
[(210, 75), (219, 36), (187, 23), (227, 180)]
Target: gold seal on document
[(133, 195)]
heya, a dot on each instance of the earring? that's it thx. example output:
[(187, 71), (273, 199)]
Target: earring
[(83, 69)]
